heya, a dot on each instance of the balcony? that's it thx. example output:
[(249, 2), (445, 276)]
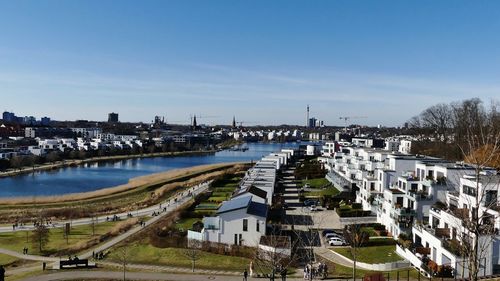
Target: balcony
[(419, 195), (406, 212)]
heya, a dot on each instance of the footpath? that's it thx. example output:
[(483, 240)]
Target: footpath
[(161, 210), (94, 275)]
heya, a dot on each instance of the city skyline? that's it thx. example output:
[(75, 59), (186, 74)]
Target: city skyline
[(260, 61)]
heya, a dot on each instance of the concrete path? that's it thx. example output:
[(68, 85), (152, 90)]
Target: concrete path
[(93, 275)]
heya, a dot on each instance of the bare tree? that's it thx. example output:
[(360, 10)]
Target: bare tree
[(123, 256), (356, 237), (193, 251), (275, 253), (477, 135), (40, 236), (438, 118)]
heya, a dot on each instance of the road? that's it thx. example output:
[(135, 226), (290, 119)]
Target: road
[(93, 275), (169, 203)]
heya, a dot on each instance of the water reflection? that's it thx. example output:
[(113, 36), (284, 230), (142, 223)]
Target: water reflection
[(93, 176)]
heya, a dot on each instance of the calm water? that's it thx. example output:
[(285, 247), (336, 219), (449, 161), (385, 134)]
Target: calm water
[(95, 176)]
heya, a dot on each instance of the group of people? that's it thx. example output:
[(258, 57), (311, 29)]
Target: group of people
[(311, 271), (98, 256), (25, 250), (114, 218)]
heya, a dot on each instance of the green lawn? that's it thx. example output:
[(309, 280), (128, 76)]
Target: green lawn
[(16, 241), (224, 189), (316, 182), (147, 254), (186, 224), (5, 259), (218, 199), (329, 191), (339, 271), (375, 254), (222, 194)]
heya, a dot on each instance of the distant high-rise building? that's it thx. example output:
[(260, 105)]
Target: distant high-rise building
[(307, 117), (312, 122), (45, 121), (9, 117), (113, 117)]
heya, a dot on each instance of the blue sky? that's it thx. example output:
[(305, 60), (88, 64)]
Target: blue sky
[(262, 61)]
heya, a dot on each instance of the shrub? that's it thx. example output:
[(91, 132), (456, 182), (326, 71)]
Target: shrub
[(357, 206)]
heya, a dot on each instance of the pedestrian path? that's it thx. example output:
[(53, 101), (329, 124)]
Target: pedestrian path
[(93, 275)]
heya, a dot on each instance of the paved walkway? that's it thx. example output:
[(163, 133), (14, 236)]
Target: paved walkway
[(92, 275)]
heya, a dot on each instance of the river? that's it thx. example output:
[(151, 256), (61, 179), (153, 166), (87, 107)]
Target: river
[(94, 176)]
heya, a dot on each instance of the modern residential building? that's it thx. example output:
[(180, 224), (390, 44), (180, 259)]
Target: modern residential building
[(439, 238)]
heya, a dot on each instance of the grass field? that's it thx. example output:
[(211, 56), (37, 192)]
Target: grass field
[(16, 241), (342, 272), (316, 183), (147, 254), (375, 254), (329, 191), (186, 224), (5, 259)]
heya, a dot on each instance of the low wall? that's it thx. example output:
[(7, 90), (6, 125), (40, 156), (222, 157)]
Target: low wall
[(376, 266), (357, 220)]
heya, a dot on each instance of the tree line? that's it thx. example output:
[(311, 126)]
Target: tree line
[(457, 129)]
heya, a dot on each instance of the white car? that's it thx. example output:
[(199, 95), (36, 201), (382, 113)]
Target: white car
[(335, 241), (313, 208)]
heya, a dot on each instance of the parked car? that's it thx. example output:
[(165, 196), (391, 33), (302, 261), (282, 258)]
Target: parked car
[(335, 241), (313, 208), (310, 202)]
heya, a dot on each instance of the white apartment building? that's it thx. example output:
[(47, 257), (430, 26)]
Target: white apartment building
[(405, 146), (437, 237)]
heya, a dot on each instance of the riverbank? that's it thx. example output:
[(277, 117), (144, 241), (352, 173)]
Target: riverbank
[(138, 184), (78, 162)]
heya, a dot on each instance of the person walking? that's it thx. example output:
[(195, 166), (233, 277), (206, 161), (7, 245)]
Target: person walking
[(245, 275)]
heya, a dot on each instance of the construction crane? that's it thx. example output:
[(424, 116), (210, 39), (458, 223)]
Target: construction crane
[(345, 118)]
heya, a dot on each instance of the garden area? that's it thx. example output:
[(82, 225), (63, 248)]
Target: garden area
[(140, 252), (372, 254), (207, 204), (353, 210)]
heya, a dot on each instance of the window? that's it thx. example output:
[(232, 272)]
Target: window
[(257, 226), (245, 225), (469, 190), (236, 239), (241, 239)]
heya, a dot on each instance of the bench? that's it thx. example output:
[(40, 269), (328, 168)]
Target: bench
[(74, 263)]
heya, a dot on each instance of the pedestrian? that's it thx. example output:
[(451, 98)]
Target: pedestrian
[(251, 268), (245, 275), (283, 272)]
